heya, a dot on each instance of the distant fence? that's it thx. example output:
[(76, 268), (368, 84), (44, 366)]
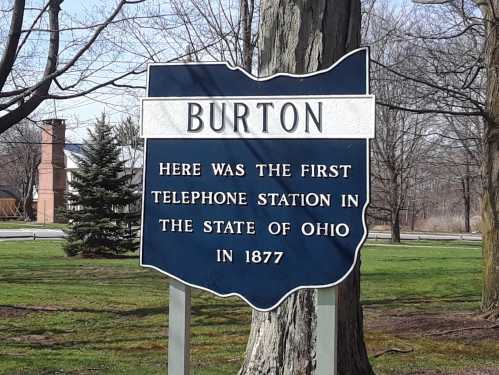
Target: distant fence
[(57, 234), (9, 209), (427, 236)]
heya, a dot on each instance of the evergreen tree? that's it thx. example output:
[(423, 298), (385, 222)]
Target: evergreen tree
[(101, 201)]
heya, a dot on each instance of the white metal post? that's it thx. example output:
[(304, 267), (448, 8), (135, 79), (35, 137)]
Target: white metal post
[(179, 328), (327, 331)]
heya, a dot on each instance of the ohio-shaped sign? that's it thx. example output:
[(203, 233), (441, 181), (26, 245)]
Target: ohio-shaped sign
[(256, 187)]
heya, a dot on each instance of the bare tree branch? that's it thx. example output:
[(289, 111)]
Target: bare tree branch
[(9, 54)]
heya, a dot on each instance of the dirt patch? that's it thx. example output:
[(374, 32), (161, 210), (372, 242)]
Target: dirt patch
[(12, 312), (35, 340), (490, 371), (458, 326), (470, 371)]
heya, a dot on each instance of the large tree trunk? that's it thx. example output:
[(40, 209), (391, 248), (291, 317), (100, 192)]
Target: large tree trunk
[(27, 199), (299, 36), (28, 208), (247, 9), (490, 201), (395, 208), (395, 225), (466, 182), (413, 214)]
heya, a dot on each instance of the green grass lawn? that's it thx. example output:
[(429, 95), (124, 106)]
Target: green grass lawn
[(17, 224), (414, 290), (422, 275), (61, 315)]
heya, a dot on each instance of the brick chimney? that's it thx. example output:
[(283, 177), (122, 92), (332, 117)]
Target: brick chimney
[(51, 171)]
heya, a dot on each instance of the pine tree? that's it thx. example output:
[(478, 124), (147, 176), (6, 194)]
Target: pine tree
[(102, 199)]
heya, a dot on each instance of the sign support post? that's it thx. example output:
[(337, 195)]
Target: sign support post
[(179, 328), (327, 331), (231, 205)]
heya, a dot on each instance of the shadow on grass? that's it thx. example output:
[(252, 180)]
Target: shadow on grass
[(206, 314), (140, 312), (418, 275), (49, 342), (421, 300)]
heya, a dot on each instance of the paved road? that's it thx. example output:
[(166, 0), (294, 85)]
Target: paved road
[(22, 234), (427, 236), (28, 233)]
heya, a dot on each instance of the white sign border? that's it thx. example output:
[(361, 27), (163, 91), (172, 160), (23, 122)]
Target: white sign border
[(361, 242), (367, 129)]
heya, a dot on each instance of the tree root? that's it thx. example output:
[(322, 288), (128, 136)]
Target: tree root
[(441, 333), (492, 315), (392, 350)]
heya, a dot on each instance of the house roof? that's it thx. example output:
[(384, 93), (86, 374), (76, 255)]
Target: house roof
[(73, 147), (134, 158), (70, 152), (7, 192)]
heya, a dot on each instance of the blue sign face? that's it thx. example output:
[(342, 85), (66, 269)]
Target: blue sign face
[(256, 187)]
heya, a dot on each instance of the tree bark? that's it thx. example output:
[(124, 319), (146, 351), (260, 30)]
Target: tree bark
[(299, 36), (28, 213), (490, 170), (247, 9), (395, 207), (466, 183), (413, 215), (395, 226)]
